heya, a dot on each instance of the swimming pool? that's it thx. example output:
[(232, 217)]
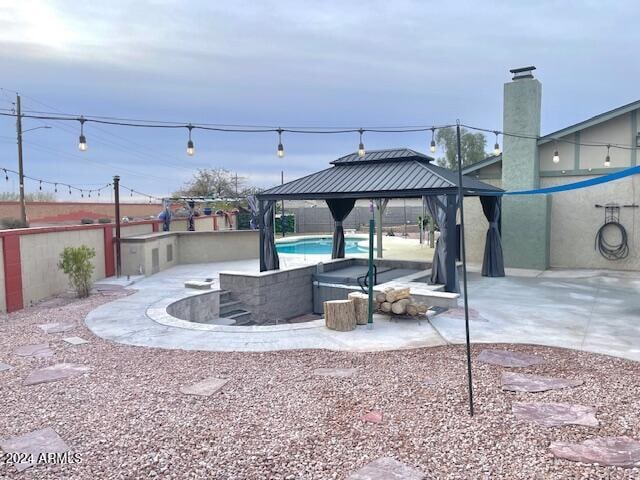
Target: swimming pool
[(319, 245)]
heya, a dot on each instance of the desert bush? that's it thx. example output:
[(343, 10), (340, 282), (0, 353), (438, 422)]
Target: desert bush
[(11, 223), (87, 221), (75, 262), (104, 220)]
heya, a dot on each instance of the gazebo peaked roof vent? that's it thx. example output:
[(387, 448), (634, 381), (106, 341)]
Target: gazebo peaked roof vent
[(387, 155)]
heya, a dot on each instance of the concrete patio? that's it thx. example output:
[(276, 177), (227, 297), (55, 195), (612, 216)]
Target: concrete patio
[(594, 311)]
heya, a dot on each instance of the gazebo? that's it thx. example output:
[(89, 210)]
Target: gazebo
[(386, 174)]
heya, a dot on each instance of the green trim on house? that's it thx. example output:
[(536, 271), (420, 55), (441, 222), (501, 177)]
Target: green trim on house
[(579, 172), (576, 152), (634, 134)]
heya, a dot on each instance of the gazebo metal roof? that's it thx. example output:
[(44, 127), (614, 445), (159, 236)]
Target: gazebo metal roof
[(393, 173)]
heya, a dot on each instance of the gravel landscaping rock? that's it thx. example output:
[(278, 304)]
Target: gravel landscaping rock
[(523, 382), (4, 366), (506, 358), (615, 451), (41, 350), (275, 420), (387, 468), (31, 445), (555, 414), (60, 371)]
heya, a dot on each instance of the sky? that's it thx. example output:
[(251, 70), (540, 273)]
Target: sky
[(289, 63)]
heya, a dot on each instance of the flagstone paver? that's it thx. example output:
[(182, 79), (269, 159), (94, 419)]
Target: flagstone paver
[(555, 414), (41, 350), (609, 451), (205, 388), (387, 468), (75, 340), (55, 372), (335, 372), (32, 444), (55, 327), (524, 382), (506, 358)]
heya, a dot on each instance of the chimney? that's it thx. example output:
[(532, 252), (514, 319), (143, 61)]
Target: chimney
[(525, 220)]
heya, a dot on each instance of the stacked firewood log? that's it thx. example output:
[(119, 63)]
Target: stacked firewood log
[(397, 301)]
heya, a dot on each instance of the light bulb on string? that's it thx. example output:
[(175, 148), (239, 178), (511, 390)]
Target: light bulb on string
[(607, 159), (81, 194), (556, 155), (69, 189), (190, 148), (432, 146), (6, 175), (361, 151), (82, 141), (40, 186), (55, 188), (496, 147), (280, 146), (89, 194)]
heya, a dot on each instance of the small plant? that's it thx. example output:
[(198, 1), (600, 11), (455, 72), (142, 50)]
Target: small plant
[(104, 220), (86, 221), (11, 223), (76, 263)]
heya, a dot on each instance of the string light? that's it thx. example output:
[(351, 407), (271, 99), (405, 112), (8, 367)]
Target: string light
[(82, 141), (556, 156), (432, 146), (361, 151), (40, 187), (6, 175), (190, 148), (55, 188), (607, 159), (496, 147), (280, 147)]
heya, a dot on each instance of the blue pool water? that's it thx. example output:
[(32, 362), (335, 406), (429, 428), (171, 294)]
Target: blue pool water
[(319, 246)]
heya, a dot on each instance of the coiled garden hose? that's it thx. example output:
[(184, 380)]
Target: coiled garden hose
[(612, 251)]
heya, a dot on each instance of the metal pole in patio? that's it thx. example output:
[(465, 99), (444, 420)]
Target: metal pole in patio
[(372, 229), (463, 257), (116, 196)]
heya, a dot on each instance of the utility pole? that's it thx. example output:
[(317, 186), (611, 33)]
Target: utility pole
[(23, 208), (116, 196)]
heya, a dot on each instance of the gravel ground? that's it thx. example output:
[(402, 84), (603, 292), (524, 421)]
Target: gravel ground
[(274, 419)]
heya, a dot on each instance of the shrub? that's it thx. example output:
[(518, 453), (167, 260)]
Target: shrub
[(76, 263), (87, 221), (104, 220), (11, 223)]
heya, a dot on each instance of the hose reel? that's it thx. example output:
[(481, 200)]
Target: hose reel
[(613, 251)]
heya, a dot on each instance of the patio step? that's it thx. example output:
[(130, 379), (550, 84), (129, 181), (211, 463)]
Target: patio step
[(241, 317), (225, 296), (229, 306)]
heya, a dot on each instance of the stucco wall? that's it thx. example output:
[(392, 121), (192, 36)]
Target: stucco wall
[(40, 253), (575, 221), (66, 212), (129, 230), (616, 130), (201, 247)]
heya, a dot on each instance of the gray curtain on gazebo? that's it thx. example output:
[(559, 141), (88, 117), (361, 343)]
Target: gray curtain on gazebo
[(437, 206), (340, 209), (493, 262), (271, 259)]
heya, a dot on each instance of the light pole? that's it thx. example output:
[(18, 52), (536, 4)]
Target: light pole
[(19, 132)]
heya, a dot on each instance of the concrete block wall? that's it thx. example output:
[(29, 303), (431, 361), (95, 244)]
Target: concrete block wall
[(222, 246), (29, 259), (273, 295)]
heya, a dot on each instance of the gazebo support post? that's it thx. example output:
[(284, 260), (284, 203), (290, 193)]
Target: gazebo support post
[(463, 257), (372, 227), (263, 267)]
